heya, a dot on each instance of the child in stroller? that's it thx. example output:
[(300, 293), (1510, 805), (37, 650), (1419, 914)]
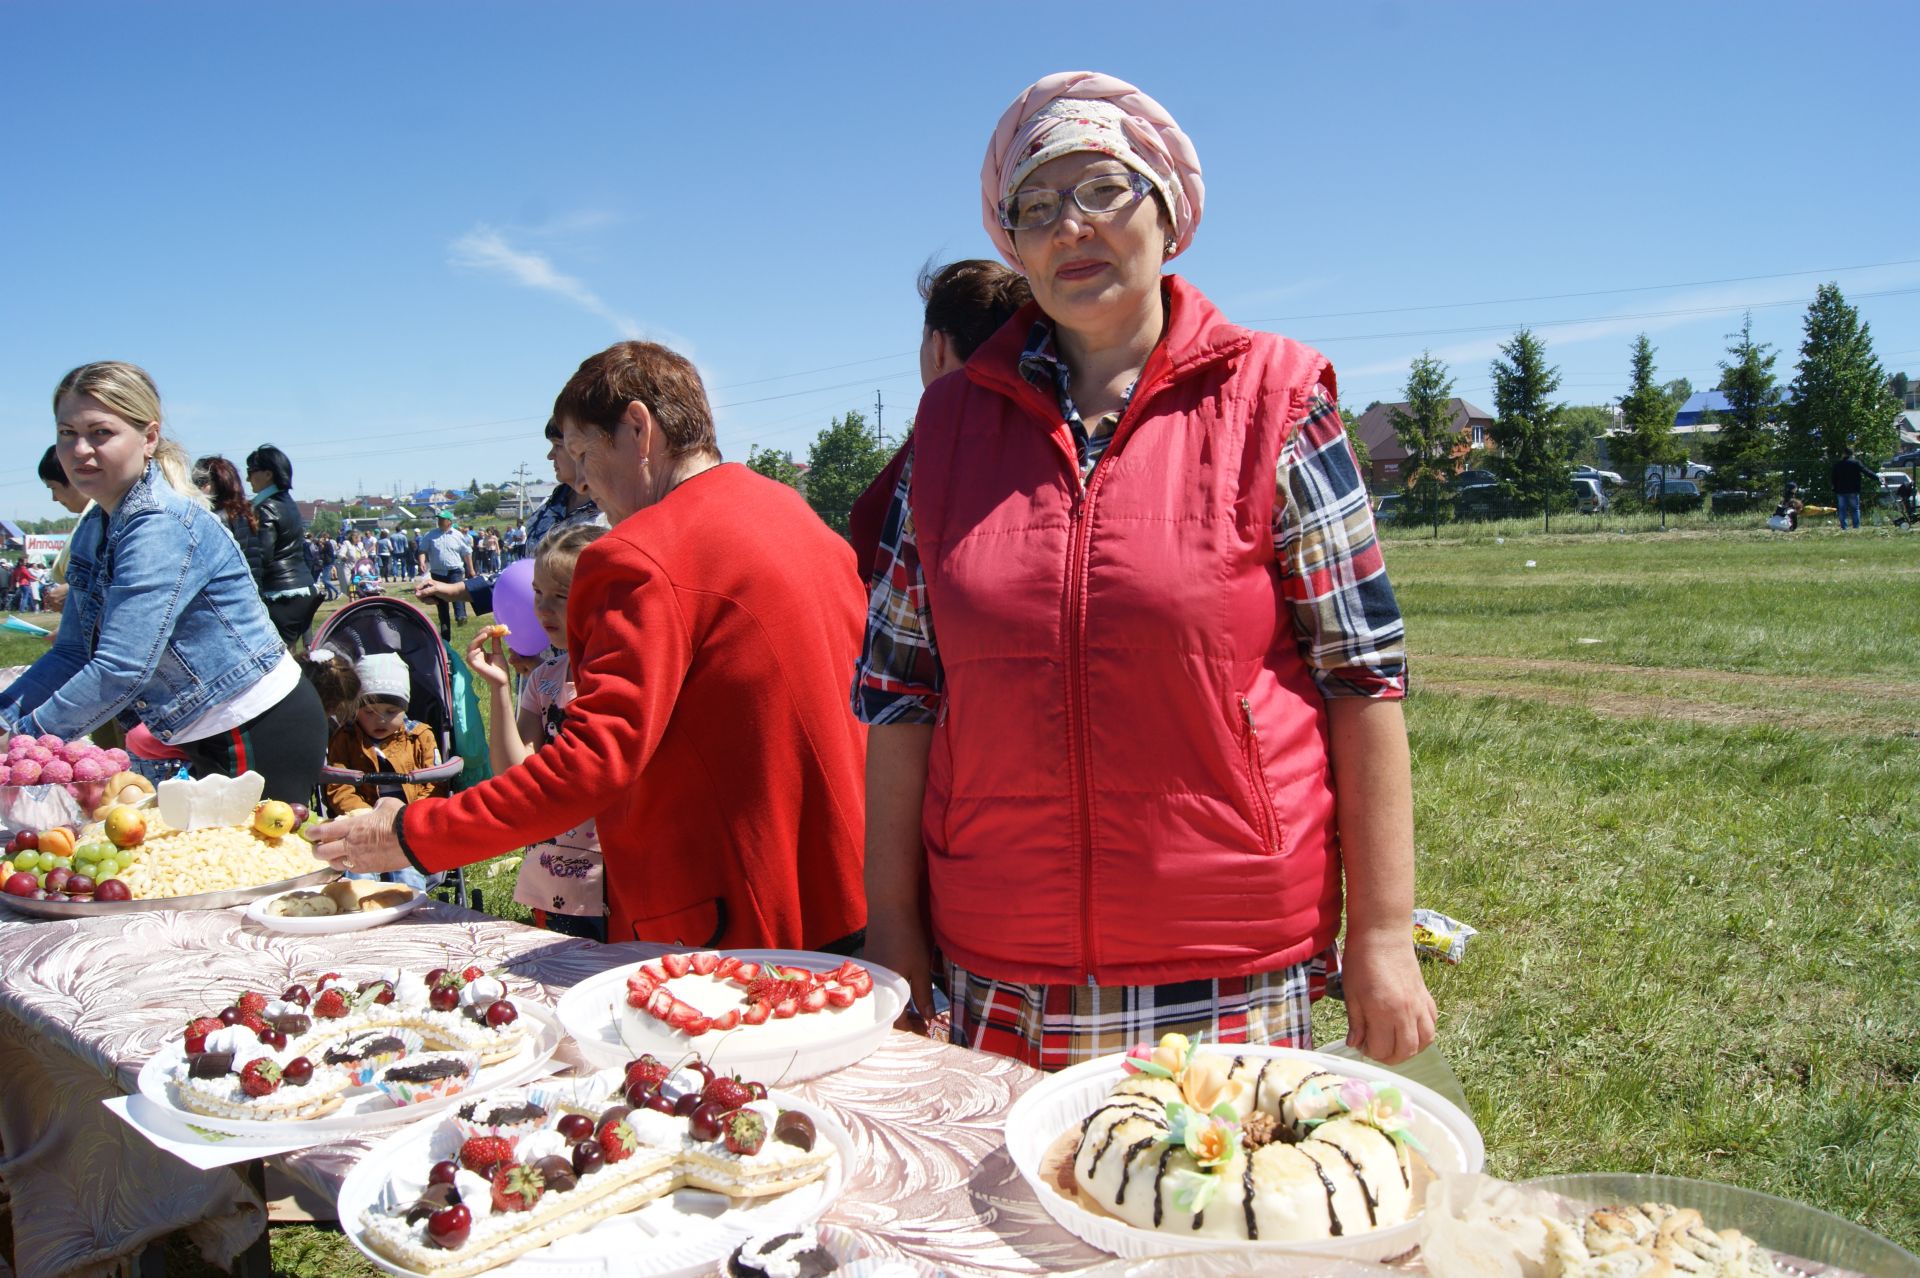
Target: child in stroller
[(405, 675), (366, 579), (1906, 510)]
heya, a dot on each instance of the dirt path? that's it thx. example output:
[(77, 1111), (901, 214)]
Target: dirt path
[(1835, 703)]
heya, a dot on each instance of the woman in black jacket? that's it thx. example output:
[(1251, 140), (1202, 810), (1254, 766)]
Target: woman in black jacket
[(280, 562)]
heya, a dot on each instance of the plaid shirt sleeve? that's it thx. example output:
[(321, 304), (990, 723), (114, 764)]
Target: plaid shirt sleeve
[(899, 679), (1331, 573)]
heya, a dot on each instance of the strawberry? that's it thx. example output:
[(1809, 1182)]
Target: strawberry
[(682, 1015), (840, 996), (331, 1005), (649, 1069), (616, 1139), (199, 1027), (481, 1154), (745, 1131), (768, 988), (814, 999), (676, 964), (660, 1004), (260, 1077), (726, 1020), (517, 1187), (473, 973), (640, 987), (697, 1025), (253, 1021), (785, 1008), (654, 973), (746, 972), (325, 977), (861, 982), (252, 1001), (705, 963), (728, 1093), (725, 969), (844, 971), (756, 1014)]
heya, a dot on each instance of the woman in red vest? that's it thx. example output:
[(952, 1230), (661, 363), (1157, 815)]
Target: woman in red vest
[(712, 630), (1132, 663)]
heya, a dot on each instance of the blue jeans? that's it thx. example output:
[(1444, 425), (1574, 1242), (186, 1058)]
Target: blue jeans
[(1849, 504), (411, 877)]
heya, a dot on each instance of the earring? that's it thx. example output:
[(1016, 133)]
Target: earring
[(1171, 245)]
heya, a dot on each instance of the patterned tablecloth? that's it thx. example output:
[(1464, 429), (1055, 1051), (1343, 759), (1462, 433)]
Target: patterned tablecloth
[(83, 1004)]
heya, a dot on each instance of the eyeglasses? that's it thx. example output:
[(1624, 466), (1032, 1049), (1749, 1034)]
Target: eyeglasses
[(1107, 193)]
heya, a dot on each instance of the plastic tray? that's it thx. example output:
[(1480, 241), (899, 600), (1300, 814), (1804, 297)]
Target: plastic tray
[(1061, 1102)]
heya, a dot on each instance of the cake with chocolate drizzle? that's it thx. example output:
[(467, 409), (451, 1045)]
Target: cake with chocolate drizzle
[(1267, 1149)]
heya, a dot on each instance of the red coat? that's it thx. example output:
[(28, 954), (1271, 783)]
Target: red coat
[(712, 636), (1130, 780)]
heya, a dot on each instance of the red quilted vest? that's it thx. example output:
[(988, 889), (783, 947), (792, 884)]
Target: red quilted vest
[(1130, 781)]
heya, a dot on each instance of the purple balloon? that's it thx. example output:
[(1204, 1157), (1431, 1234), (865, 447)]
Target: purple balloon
[(513, 606)]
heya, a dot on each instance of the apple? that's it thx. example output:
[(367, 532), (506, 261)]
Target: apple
[(274, 819), (126, 827)]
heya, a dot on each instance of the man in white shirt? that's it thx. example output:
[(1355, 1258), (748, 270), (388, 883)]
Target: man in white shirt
[(446, 554)]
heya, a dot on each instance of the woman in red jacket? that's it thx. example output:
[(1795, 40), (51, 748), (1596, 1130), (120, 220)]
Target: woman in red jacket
[(1160, 727), (709, 738)]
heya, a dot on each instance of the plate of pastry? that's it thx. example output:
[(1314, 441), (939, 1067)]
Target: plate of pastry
[(344, 905)]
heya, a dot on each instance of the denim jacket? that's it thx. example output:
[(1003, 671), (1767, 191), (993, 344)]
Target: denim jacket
[(162, 623)]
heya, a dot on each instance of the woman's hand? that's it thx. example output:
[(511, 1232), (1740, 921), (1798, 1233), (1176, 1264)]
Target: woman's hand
[(54, 598), (1390, 1015), (363, 842), (487, 658), (896, 863), (898, 941)]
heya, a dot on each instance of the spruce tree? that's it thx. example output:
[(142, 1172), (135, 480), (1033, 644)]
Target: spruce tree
[(1743, 451), (1425, 429), (1841, 398), (1534, 448), (1647, 412)]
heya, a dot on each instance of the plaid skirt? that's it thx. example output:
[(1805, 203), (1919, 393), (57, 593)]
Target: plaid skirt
[(1053, 1026)]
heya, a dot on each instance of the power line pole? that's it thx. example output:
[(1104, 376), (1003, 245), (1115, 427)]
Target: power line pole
[(879, 419), (522, 474)]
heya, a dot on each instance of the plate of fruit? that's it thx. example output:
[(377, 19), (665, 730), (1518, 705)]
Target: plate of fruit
[(568, 1176)]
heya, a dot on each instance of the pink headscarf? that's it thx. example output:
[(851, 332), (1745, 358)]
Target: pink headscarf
[(1159, 149)]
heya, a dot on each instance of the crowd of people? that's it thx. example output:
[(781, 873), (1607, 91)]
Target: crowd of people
[(1095, 727)]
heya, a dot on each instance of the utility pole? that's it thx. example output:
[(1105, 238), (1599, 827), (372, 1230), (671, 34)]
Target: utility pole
[(522, 474), (879, 419)]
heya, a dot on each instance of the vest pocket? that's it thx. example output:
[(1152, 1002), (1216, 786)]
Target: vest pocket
[(1264, 819), (698, 926)]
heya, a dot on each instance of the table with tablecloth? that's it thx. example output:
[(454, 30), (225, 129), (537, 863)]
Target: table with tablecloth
[(84, 1003)]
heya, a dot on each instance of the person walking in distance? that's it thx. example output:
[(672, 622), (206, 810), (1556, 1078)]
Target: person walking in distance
[(446, 554), (1847, 475)]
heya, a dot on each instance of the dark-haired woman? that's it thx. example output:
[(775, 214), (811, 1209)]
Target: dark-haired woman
[(280, 561), (967, 301)]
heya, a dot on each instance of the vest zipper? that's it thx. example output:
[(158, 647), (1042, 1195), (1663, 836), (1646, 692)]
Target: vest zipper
[(1081, 746), (1257, 781)]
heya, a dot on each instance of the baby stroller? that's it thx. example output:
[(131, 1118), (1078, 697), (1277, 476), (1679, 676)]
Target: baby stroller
[(366, 583), (1906, 509), (442, 696)]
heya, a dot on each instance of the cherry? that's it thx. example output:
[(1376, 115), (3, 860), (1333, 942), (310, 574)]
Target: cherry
[(443, 1172), (450, 1226), (704, 1070), (500, 1012), (433, 976), (230, 1015), (443, 998), (638, 1094), (706, 1124), (685, 1106), (759, 1090), (588, 1157), (296, 994), (659, 1104), (575, 1127), (273, 1038), (298, 1071)]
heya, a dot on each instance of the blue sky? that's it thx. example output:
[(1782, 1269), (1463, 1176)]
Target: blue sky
[(382, 235)]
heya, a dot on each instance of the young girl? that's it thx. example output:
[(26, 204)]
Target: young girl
[(381, 739), (562, 880)]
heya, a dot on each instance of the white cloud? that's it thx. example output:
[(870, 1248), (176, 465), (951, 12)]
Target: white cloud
[(485, 249)]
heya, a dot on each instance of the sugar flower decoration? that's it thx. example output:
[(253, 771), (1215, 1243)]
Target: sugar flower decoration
[(1208, 1088), (1192, 1190)]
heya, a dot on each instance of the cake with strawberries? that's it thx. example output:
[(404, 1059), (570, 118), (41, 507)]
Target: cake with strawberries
[(492, 1198), (695, 998), (1268, 1149), (235, 1073)]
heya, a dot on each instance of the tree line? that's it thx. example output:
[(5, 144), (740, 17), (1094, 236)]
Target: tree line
[(1840, 398)]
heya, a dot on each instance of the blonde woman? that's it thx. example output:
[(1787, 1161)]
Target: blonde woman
[(163, 624)]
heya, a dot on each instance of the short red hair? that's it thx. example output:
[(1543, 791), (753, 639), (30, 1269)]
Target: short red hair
[(666, 382)]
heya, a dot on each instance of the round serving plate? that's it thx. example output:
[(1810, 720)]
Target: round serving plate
[(366, 1107), (198, 901), (790, 1055), (327, 924), (1804, 1239), (679, 1235), (1062, 1102)]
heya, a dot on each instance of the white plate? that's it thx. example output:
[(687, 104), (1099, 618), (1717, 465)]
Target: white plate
[(329, 924), (588, 1013), (687, 1232), (365, 1107), (1062, 1101)]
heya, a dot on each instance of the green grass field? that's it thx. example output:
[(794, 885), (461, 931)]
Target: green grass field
[(1671, 778)]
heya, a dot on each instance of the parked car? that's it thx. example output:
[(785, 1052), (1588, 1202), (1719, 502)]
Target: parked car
[(1680, 494), (1607, 478), (1391, 509), (1469, 478), (1481, 501), (1909, 458), (1693, 471), (1588, 497)]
